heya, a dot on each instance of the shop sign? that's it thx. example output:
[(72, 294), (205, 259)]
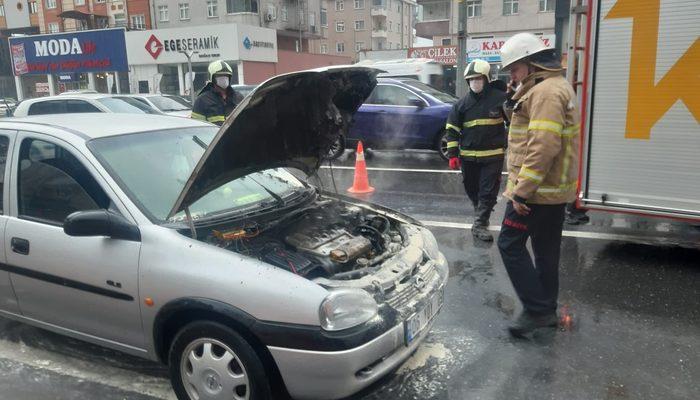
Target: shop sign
[(87, 51), (42, 87), (488, 49)]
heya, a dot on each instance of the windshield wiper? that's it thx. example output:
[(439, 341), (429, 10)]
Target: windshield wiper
[(278, 198), (200, 142)]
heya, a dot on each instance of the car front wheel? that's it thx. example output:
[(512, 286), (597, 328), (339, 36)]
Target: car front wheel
[(208, 360), (441, 145)]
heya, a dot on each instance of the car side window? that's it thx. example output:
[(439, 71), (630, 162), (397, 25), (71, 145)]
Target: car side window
[(392, 96), (47, 107), (4, 144), (80, 106), (53, 183)]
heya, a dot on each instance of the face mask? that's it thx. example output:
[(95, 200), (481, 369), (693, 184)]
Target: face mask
[(222, 81), (476, 85)]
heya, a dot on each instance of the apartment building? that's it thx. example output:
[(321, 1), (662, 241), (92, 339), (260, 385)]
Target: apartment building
[(76, 15), (296, 22), (16, 17), (439, 19), (358, 26)]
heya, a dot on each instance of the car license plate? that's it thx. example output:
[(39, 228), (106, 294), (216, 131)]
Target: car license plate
[(415, 324)]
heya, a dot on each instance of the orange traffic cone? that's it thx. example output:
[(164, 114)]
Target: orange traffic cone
[(360, 183)]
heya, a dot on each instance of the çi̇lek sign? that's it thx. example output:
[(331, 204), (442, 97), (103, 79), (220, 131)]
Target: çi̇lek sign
[(85, 51)]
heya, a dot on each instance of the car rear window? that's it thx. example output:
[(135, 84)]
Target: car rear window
[(47, 107)]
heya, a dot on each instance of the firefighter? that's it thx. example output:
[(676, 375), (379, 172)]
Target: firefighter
[(476, 140), (217, 99), (543, 148)]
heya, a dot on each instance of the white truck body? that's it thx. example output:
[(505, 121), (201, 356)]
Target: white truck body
[(641, 107)]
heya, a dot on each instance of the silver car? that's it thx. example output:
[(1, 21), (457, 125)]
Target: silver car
[(174, 240)]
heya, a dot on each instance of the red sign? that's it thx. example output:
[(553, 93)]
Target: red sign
[(154, 46), (442, 54)]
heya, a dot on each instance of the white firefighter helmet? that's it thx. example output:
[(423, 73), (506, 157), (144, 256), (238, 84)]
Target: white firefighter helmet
[(219, 67), (476, 69), (521, 46)]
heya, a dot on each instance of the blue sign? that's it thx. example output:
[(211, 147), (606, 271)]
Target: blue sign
[(247, 43), (85, 51), (68, 77)]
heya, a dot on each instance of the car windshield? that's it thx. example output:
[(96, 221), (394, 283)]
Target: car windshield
[(183, 101), (126, 105), (153, 167), (442, 96), (166, 104)]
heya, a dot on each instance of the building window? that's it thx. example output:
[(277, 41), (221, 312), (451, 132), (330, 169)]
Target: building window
[(138, 22), (2, 10), (474, 8), (324, 18), (546, 5), (212, 8), (360, 25), (51, 4), (359, 46), (53, 27), (184, 11), (398, 7), (33, 8), (324, 49), (339, 5), (510, 7), (239, 6), (359, 4), (340, 26), (312, 19), (120, 20), (79, 2), (163, 14), (398, 27), (340, 47), (100, 1), (285, 13), (389, 26), (447, 42)]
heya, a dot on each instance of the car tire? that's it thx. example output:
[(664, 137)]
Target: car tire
[(441, 145), (337, 149), (196, 369)]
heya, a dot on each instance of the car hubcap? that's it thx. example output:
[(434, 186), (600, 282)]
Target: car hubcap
[(443, 146), (211, 370)]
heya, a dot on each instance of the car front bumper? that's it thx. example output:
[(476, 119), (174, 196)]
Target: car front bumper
[(311, 375)]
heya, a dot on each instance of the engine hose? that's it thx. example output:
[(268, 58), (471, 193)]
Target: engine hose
[(372, 234)]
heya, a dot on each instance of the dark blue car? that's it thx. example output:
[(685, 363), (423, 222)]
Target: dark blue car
[(401, 113)]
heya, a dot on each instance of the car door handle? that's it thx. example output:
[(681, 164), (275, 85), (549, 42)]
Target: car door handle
[(20, 246)]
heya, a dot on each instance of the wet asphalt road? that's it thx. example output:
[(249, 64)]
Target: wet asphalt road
[(631, 287)]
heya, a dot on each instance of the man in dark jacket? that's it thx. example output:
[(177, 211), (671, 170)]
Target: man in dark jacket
[(217, 99), (476, 139)]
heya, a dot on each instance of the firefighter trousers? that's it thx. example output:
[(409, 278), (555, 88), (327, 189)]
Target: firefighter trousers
[(536, 284), (482, 181)]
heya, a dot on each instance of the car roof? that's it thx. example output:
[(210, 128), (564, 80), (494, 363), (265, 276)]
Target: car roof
[(390, 80), (81, 96), (97, 125)]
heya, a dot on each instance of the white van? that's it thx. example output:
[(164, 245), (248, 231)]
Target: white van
[(422, 69)]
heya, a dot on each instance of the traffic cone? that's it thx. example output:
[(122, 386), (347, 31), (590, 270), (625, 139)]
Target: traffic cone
[(360, 183)]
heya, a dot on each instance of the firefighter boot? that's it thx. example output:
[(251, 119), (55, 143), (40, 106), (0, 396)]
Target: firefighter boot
[(528, 323), (480, 229)]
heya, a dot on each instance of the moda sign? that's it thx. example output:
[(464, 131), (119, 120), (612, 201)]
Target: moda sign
[(86, 51)]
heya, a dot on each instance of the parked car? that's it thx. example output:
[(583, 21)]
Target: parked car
[(82, 103), (401, 113), (175, 240), (243, 90), (166, 103)]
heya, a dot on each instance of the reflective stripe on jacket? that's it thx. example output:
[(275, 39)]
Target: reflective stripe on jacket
[(475, 127), (543, 141), (210, 106)]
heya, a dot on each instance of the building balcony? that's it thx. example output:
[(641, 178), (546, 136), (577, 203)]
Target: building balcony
[(379, 33), (379, 11), (428, 29)]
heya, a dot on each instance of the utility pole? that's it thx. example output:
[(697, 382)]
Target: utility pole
[(462, 48), (189, 55)]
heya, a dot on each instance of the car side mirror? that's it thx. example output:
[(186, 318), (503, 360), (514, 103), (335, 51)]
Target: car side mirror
[(101, 223), (417, 103)]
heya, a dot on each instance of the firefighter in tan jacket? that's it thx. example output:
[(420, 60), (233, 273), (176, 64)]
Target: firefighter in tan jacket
[(543, 149)]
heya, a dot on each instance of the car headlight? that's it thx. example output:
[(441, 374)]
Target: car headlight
[(345, 308), (430, 245)]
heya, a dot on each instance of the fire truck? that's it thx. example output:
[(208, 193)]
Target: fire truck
[(636, 67)]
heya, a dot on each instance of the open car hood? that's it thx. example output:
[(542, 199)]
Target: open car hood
[(290, 120)]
